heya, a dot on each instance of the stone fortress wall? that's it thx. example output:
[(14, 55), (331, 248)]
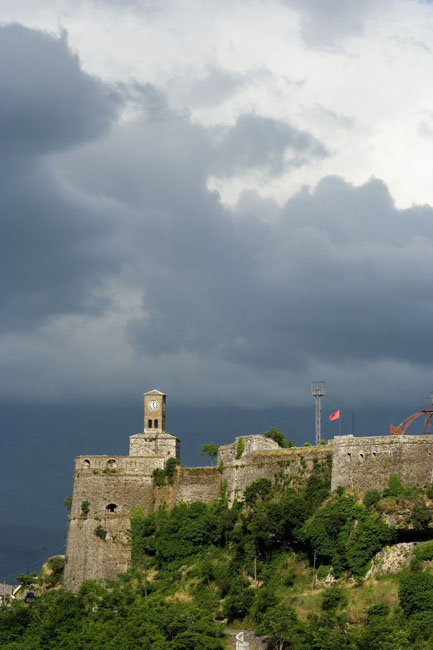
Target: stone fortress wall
[(112, 485), (368, 462)]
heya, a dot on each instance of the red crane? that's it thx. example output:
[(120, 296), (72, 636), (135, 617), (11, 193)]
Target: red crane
[(401, 429)]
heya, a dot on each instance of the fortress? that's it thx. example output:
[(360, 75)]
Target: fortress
[(107, 487)]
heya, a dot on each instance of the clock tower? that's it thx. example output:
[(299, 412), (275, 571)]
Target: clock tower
[(154, 412), (154, 442)]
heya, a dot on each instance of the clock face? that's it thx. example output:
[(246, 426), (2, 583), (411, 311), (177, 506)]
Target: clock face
[(153, 405)]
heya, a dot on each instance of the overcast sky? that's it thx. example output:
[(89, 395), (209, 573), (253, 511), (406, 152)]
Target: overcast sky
[(223, 200)]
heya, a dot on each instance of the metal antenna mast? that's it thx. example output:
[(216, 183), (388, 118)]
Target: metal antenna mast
[(318, 391)]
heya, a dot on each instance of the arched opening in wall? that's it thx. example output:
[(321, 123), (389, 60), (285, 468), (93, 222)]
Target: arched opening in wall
[(155, 424), (112, 507), (111, 464), (349, 455), (86, 463), (361, 456), (149, 424), (374, 454)]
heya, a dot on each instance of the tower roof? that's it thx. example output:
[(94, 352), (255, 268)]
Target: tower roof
[(154, 392)]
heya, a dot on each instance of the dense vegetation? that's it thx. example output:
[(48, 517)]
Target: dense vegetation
[(286, 562)]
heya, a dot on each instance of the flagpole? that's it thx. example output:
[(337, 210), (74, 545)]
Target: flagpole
[(339, 426)]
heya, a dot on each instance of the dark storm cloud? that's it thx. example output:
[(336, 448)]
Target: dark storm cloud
[(46, 101), (337, 274), (341, 276), (52, 243), (264, 143)]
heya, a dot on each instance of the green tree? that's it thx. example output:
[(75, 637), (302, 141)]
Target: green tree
[(278, 437), (416, 593), (210, 449), (280, 625), (27, 580), (258, 490)]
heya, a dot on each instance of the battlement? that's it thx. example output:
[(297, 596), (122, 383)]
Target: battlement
[(105, 465)]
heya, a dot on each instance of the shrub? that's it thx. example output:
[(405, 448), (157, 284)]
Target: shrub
[(159, 476), (170, 468), (429, 491), (333, 597), (67, 502), (424, 551), (317, 488), (323, 571), (100, 532), (56, 566), (379, 609), (290, 578), (240, 448), (85, 507), (421, 626), (421, 515), (395, 487), (416, 593), (371, 497)]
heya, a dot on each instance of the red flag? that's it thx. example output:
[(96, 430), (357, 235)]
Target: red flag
[(335, 416)]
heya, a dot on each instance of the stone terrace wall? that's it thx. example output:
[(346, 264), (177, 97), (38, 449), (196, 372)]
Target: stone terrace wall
[(190, 484), (367, 463)]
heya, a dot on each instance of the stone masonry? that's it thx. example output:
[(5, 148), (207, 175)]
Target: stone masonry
[(107, 487)]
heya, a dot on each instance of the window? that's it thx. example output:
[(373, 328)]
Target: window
[(155, 424), (111, 507), (149, 424), (111, 464), (86, 462)]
